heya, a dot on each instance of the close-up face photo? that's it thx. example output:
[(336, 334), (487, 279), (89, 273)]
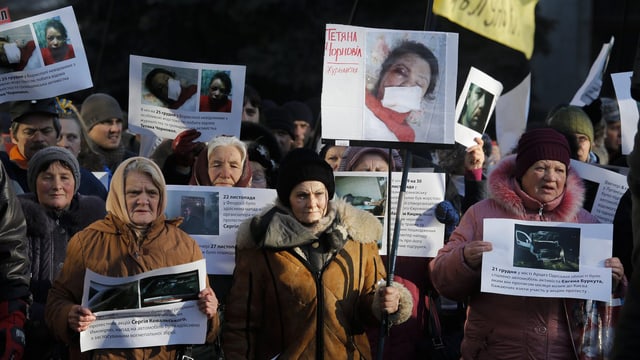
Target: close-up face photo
[(408, 70)]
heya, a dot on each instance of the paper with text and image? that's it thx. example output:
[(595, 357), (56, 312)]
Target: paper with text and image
[(353, 60), (213, 217), (154, 308), (26, 75), (421, 234), (547, 259), (603, 190), (477, 101), (183, 108)]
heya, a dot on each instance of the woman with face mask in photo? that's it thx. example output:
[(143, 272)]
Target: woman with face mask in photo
[(57, 47), (407, 76), (163, 84)]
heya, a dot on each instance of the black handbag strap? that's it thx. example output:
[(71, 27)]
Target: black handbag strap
[(435, 329)]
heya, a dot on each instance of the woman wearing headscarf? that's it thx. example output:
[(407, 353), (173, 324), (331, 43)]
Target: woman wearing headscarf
[(133, 238), (308, 277), (536, 184), (54, 212)]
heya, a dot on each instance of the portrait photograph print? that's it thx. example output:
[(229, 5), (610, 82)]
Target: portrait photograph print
[(476, 104), (199, 211), (18, 50), (170, 87), (409, 87)]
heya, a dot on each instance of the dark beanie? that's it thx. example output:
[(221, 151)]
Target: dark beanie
[(43, 158), (277, 118), (100, 107), (300, 165), (541, 144), (299, 111)]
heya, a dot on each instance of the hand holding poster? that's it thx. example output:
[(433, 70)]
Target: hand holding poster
[(547, 259), (158, 307), (43, 57)]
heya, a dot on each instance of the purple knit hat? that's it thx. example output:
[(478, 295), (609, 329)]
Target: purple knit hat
[(541, 144)]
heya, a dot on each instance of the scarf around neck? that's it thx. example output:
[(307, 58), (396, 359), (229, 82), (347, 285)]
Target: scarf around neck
[(394, 121)]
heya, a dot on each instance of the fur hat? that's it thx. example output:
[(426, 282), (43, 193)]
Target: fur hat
[(610, 110), (43, 158), (300, 165), (572, 120), (541, 144), (99, 107), (18, 109)]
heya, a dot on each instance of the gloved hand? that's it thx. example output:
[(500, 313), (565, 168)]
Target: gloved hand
[(447, 214), (184, 147), (12, 322)]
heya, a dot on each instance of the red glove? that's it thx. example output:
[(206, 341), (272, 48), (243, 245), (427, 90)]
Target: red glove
[(12, 320), (185, 148)]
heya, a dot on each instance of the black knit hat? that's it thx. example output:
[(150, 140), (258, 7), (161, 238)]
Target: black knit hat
[(277, 118), (541, 144), (300, 165), (44, 157)]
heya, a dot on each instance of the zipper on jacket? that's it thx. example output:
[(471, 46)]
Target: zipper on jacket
[(319, 316)]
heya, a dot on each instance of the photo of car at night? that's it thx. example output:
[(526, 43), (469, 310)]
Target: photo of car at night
[(542, 244)]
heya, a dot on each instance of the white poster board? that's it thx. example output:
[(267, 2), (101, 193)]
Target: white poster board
[(475, 106), (421, 234), (37, 69), (215, 214), (628, 109), (604, 189), (547, 259), (158, 307), (408, 104), (166, 109)]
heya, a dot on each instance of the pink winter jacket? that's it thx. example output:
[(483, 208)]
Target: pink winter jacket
[(500, 326)]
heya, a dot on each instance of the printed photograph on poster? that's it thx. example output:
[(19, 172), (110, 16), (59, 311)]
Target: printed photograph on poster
[(476, 104), (169, 87), (547, 259), (550, 248), (167, 97), (42, 56), (391, 85), (199, 210)]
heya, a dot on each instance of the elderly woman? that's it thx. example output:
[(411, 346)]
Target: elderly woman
[(537, 184), (225, 164), (133, 238), (308, 275), (54, 212)]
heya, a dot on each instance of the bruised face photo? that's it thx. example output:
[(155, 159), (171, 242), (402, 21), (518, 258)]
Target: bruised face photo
[(407, 71)]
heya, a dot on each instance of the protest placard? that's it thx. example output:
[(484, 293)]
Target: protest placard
[(421, 234), (154, 308), (604, 189), (44, 57), (364, 97), (211, 215), (475, 106), (547, 259), (167, 97)]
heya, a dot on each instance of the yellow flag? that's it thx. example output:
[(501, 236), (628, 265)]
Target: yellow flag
[(509, 22)]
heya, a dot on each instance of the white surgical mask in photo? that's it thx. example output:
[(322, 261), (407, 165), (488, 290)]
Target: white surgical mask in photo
[(174, 89), (402, 98)]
